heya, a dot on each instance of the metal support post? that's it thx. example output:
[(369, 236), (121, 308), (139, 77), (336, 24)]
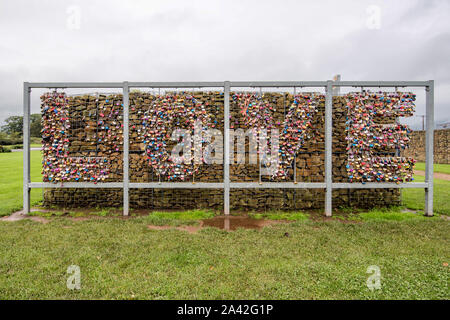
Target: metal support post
[(226, 149), (126, 127), (328, 148), (429, 148), (26, 148)]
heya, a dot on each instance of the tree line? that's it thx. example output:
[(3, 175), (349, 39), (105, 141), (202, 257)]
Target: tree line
[(11, 131)]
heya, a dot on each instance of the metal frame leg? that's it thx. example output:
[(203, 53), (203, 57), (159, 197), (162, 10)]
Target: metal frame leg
[(26, 148), (429, 148), (328, 148), (226, 166), (126, 176)]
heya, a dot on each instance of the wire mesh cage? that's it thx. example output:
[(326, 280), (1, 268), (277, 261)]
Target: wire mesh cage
[(82, 141), (176, 135)]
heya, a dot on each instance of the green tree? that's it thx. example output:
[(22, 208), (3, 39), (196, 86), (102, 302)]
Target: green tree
[(14, 125), (35, 125)]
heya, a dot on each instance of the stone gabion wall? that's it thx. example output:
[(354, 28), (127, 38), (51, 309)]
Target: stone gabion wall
[(96, 131), (441, 146)]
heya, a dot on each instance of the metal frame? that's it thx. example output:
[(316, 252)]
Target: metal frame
[(328, 148), (226, 185)]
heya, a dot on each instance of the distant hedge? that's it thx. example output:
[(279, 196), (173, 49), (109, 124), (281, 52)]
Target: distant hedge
[(10, 141), (3, 149)]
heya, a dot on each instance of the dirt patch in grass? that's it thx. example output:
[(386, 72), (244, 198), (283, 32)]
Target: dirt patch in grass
[(80, 218), (436, 175), (189, 229), (340, 216), (16, 216), (228, 223)]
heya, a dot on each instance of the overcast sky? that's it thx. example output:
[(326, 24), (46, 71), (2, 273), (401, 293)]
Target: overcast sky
[(222, 40)]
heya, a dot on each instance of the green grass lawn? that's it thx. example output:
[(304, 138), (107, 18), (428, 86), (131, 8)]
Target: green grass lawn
[(32, 145), (415, 198), (441, 168), (11, 180), (123, 259)]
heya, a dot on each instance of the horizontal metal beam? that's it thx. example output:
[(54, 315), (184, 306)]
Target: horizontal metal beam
[(189, 84), (177, 185), (218, 84), (282, 185), (118, 185), (278, 84), (75, 84), (233, 185), (380, 83), (375, 185)]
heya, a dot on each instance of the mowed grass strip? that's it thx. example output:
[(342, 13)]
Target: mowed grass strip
[(123, 259), (440, 168), (11, 180), (415, 198)]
